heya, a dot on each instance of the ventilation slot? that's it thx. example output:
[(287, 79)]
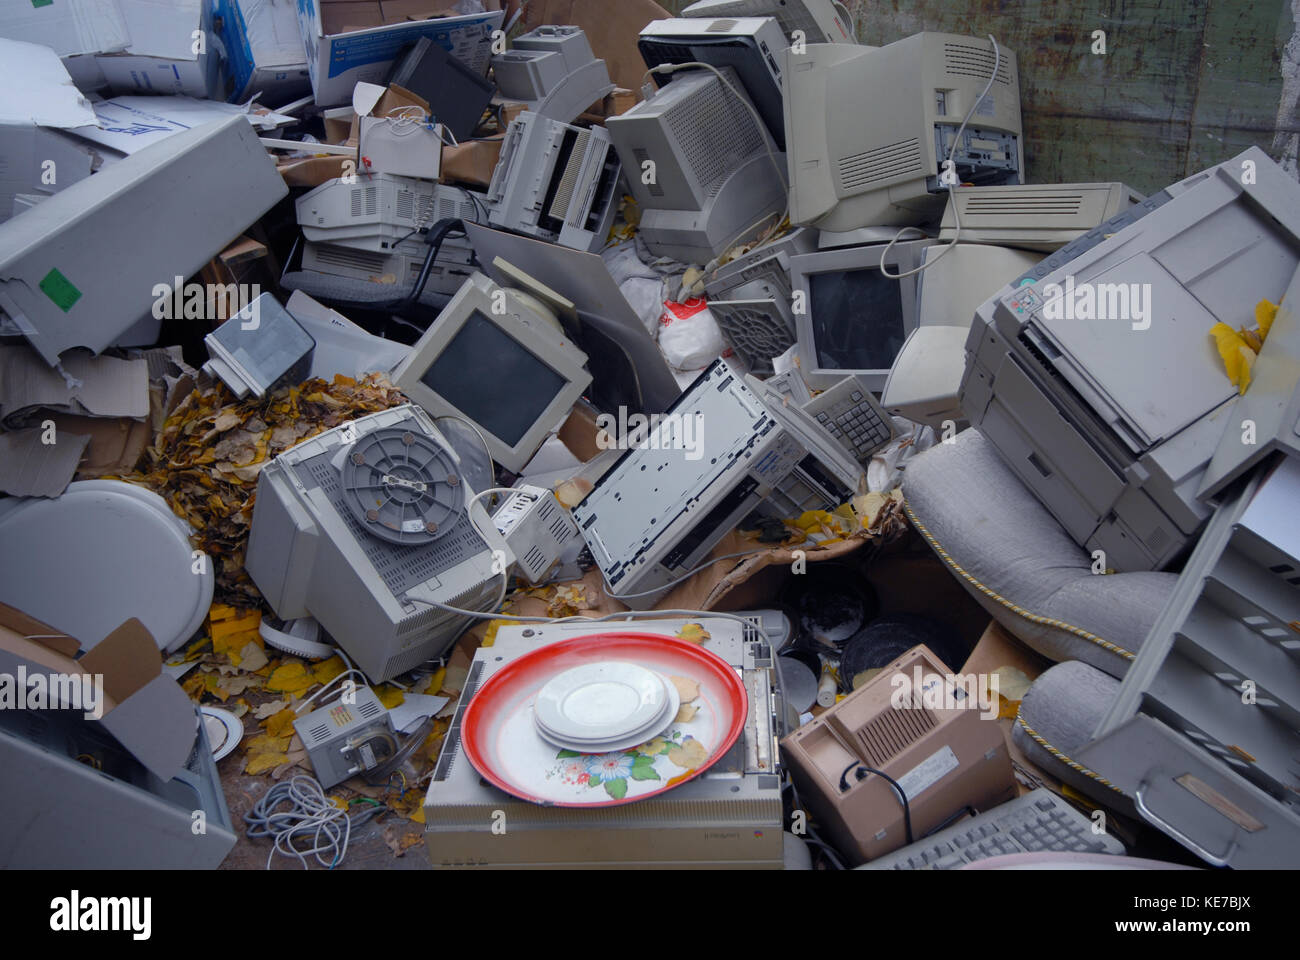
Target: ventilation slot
[(960, 60), (714, 134), (343, 257), (370, 709), (721, 26), (364, 200), (319, 732), (1063, 205), (534, 558), (564, 192), (885, 737), (405, 205), (884, 163), (559, 530)]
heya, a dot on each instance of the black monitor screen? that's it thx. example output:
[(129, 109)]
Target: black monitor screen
[(857, 319), (489, 376)]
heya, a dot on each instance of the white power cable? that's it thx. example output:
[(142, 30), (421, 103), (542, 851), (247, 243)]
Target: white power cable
[(952, 187)]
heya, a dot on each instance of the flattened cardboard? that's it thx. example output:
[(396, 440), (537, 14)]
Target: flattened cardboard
[(144, 710), (470, 163), (102, 387), (30, 467)]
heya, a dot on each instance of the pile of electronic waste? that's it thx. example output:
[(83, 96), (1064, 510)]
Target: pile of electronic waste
[(446, 406)]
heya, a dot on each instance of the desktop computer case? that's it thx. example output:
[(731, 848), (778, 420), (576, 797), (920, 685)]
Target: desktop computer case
[(952, 758), (728, 817)]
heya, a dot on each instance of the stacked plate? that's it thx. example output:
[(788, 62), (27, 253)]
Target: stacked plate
[(604, 707)]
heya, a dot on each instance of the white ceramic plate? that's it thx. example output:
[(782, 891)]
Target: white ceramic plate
[(627, 741), (224, 730), (660, 724), (606, 700)]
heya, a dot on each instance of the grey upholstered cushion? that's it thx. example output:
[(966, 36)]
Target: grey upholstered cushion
[(975, 510), (1063, 709)]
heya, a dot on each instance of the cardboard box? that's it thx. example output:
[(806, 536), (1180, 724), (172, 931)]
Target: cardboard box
[(348, 41), (612, 30), (69, 29), (172, 49), (143, 709), (470, 163), (263, 51)]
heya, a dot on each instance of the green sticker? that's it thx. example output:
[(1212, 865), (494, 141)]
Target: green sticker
[(42, 3), (59, 289)]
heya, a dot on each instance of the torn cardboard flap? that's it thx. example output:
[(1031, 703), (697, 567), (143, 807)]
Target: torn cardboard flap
[(102, 387), (144, 710), (31, 467)]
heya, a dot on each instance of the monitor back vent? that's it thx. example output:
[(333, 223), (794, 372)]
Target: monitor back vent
[(346, 257), (880, 164), (967, 60), (714, 133), (721, 26), (892, 732)]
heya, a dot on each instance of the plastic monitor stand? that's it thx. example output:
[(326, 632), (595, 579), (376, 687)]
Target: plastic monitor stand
[(522, 282), (103, 552)]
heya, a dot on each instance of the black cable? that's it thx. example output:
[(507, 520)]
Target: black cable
[(907, 810), (434, 239), (951, 820)]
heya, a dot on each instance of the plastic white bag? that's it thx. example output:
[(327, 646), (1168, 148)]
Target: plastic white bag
[(688, 335)]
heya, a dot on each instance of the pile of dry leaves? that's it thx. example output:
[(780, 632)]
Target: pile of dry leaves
[(206, 460)]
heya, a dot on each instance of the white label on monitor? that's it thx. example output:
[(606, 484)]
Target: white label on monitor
[(987, 107), (928, 772)]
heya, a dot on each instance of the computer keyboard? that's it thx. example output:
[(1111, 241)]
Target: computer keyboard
[(852, 416), (1038, 821)]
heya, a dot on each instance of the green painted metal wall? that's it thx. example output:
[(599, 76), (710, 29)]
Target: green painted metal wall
[(1182, 85)]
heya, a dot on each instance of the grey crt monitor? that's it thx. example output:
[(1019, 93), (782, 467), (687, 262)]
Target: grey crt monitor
[(851, 318), (495, 358)]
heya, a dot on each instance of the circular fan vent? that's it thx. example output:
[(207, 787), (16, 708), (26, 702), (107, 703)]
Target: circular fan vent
[(402, 486)]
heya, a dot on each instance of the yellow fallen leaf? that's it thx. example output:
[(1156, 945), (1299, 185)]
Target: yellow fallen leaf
[(1265, 314), (327, 670), (290, 678), (689, 754), (687, 688), (281, 724), (686, 713), (252, 656), (1238, 358), (265, 743), (262, 762), (390, 696), (693, 632)]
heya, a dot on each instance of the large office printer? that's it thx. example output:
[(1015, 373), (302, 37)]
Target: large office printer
[(1095, 374)]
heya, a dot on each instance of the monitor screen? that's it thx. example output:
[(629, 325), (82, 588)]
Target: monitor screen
[(491, 378), (857, 319)]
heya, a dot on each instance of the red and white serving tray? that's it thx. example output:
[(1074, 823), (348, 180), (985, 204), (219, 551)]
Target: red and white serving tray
[(500, 738)]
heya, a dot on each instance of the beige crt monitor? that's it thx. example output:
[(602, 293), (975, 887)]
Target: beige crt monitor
[(868, 128), (499, 358), (1034, 216), (944, 758)]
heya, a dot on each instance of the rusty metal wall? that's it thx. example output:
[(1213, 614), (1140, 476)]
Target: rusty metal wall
[(1181, 85)]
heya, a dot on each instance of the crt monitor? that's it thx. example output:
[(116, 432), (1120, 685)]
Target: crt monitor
[(498, 358), (752, 46), (869, 128), (851, 317), (818, 20)]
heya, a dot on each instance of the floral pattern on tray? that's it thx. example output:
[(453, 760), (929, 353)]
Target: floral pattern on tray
[(667, 757)]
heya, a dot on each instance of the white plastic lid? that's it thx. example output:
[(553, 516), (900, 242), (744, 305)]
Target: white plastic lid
[(101, 553)]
